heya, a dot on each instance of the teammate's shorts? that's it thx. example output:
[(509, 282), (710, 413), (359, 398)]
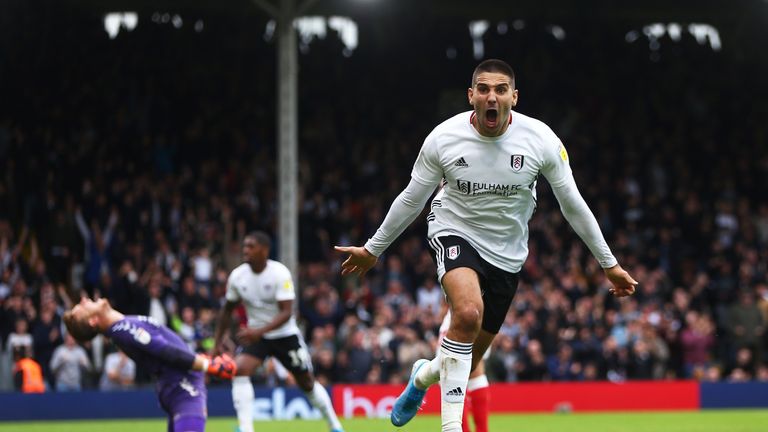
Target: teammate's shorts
[(497, 286), (290, 351)]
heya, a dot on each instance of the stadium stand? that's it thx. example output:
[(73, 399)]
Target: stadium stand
[(131, 168)]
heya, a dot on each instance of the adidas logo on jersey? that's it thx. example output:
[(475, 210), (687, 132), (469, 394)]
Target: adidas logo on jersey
[(455, 392), (461, 163)]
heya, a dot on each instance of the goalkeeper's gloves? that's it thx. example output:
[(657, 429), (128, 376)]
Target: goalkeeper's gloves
[(222, 366)]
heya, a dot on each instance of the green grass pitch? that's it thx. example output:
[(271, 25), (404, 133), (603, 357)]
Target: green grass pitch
[(693, 421)]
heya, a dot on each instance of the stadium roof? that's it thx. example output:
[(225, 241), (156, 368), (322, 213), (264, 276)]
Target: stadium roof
[(723, 12)]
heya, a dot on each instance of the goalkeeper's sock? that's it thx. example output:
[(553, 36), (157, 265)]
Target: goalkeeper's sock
[(319, 399), (243, 397)]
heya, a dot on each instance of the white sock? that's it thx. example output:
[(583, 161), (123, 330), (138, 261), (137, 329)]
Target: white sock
[(319, 399), (477, 383), (242, 398), (454, 374), (429, 373)]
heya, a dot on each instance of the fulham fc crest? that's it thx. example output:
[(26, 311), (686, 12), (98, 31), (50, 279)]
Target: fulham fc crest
[(517, 162), (453, 252)]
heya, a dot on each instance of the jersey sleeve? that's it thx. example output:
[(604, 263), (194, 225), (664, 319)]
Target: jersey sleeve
[(231, 295), (556, 166), (405, 208), (155, 345), (285, 289), (427, 169)]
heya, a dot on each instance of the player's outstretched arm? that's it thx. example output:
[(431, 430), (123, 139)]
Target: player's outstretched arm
[(405, 208), (359, 260), (623, 283)]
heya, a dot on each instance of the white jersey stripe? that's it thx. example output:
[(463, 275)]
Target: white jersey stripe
[(434, 248), (442, 250), (439, 257)]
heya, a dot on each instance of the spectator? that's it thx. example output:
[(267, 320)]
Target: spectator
[(360, 359), (762, 373), (325, 371), (429, 296), (119, 372), (20, 339), (642, 362), (658, 349), (204, 328), (395, 296), (28, 376), (712, 373), (745, 361), (68, 363), (562, 367), (203, 267), (321, 310), (533, 366), (97, 243), (186, 327), (410, 349), (188, 295), (696, 341), (502, 363), (744, 322), (738, 375), (762, 300), (46, 334), (155, 306)]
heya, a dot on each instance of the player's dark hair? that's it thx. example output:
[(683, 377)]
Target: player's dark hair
[(80, 330), (494, 66), (261, 238)]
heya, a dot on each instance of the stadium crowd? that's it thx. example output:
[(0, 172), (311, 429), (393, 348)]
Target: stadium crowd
[(134, 174)]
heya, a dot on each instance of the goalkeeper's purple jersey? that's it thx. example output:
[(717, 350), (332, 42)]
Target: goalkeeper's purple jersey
[(164, 354)]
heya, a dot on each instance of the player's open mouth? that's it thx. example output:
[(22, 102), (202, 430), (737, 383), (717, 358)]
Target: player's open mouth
[(491, 117)]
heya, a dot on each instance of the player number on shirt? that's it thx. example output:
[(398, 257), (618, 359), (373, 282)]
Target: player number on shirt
[(299, 358)]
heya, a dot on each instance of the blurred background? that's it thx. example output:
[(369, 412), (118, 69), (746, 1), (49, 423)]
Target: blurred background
[(139, 143)]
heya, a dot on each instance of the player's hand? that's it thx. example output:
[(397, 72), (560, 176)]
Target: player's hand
[(247, 336), (223, 367), (359, 260), (623, 284)]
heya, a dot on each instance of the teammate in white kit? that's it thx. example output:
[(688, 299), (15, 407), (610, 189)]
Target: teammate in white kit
[(266, 289), (488, 161)]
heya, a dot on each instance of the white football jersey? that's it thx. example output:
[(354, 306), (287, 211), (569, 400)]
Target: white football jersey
[(260, 293), (489, 188)]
